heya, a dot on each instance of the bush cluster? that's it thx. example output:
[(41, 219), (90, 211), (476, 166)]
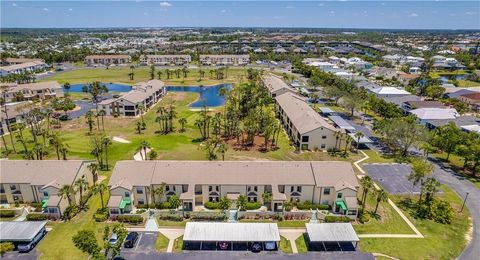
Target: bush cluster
[(70, 212), (211, 205), (36, 217), (6, 247), (336, 219), (164, 205), (132, 219), (307, 205), (7, 213), (208, 216), (170, 216), (101, 215), (252, 205)]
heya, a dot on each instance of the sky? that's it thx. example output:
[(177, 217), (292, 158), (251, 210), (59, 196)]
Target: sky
[(316, 14)]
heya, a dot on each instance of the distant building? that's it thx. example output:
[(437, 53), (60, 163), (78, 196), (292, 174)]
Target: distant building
[(431, 113), (224, 60), (31, 66), (145, 94), (107, 59), (472, 99), (32, 91), (14, 61), (166, 59), (389, 92), (11, 114), (276, 86)]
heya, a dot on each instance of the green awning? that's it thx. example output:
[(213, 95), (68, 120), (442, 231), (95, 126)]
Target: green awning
[(124, 202), (44, 202), (341, 204)]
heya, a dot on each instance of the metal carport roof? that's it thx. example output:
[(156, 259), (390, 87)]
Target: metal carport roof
[(331, 232), (363, 139), (20, 231), (234, 232), (342, 123)]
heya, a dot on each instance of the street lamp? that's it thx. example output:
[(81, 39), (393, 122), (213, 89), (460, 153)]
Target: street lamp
[(465, 200)]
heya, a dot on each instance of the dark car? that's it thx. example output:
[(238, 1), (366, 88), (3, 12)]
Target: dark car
[(131, 239), (256, 247)]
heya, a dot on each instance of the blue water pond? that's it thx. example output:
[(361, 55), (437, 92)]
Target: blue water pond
[(209, 96), (112, 87)]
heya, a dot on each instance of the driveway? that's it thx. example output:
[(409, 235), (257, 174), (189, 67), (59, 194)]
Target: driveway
[(462, 186), (32, 255)]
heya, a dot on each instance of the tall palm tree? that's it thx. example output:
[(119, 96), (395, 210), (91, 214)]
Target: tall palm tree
[(367, 185), (420, 170), (102, 114), (381, 195), (159, 74), (81, 184), (182, 122), (144, 145), (358, 135), (106, 141), (66, 192), (141, 109), (100, 189), (66, 86), (93, 168)]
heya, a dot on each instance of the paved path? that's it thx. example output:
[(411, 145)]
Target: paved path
[(171, 234), (23, 216), (151, 225), (292, 235)]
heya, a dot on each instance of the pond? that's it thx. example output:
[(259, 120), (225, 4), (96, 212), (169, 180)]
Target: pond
[(112, 87), (209, 95), (445, 78)]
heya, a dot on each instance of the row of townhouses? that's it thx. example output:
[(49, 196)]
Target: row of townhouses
[(306, 128), (224, 60), (165, 59), (144, 94), (198, 182), (220, 60), (31, 91), (92, 60), (25, 67), (40, 181)]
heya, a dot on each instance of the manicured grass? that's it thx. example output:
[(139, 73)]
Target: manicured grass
[(385, 221), (442, 241), (162, 242), (467, 83), (285, 245), (58, 244), (456, 162), (120, 75), (377, 158), (8, 219), (168, 223), (178, 245), (302, 244)]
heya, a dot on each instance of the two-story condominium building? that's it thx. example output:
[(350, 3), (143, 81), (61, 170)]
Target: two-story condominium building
[(31, 66), (224, 60), (166, 59), (40, 181), (307, 128), (31, 91), (276, 86), (198, 182), (113, 59), (13, 61), (146, 94), (11, 114)]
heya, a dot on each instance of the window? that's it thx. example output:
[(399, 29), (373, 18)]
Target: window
[(127, 194), (304, 146), (326, 191), (114, 211), (299, 188), (339, 195), (210, 188), (352, 212), (139, 191), (13, 187), (52, 210), (324, 137), (141, 202), (45, 193), (213, 198), (167, 188), (305, 138), (252, 199), (292, 189), (322, 146)]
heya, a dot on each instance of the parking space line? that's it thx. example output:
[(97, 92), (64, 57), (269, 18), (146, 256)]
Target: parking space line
[(138, 242)]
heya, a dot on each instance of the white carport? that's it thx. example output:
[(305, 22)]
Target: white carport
[(332, 233)]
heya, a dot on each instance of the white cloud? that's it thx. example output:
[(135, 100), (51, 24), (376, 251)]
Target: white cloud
[(471, 13), (70, 9), (145, 13), (165, 4), (223, 11), (332, 13), (413, 15), (45, 9), (14, 5), (321, 4)]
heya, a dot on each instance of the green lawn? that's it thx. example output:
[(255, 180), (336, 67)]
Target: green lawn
[(377, 158), (168, 223), (467, 83), (285, 245), (385, 221), (120, 75), (302, 244), (162, 242), (456, 162), (442, 241), (178, 245)]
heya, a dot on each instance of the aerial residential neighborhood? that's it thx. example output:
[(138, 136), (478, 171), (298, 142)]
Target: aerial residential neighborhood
[(239, 130)]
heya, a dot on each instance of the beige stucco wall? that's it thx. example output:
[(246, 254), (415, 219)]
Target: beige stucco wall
[(315, 139)]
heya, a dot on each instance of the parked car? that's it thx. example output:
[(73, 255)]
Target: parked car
[(131, 239), (23, 248), (256, 247), (270, 246), (113, 239)]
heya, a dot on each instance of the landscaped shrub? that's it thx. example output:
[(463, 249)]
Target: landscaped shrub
[(36, 217), (307, 205), (37, 206), (208, 216), (252, 205), (140, 211), (170, 216), (364, 218), (336, 219), (6, 247), (63, 117), (70, 212), (7, 213), (164, 205), (211, 205), (442, 212), (101, 215), (132, 219)]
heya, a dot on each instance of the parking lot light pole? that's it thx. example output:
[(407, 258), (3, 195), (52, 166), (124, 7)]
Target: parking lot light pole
[(465, 200)]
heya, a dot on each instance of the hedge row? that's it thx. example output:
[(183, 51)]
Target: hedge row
[(170, 216), (7, 213), (252, 205), (36, 217), (132, 219), (334, 219), (209, 216), (211, 205), (307, 205)]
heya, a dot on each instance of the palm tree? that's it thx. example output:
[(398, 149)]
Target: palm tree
[(102, 114), (144, 145), (152, 71), (367, 185), (100, 189), (182, 122), (56, 142), (81, 184), (93, 168), (420, 169), (358, 135), (267, 197), (159, 74), (65, 192), (106, 141), (139, 127), (141, 108), (381, 195), (66, 86), (241, 201), (90, 122), (222, 149)]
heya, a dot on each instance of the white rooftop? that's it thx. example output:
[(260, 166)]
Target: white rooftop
[(331, 232), (231, 232), (20, 231), (428, 113), (390, 91)]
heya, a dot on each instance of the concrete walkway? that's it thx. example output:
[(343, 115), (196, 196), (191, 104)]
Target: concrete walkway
[(120, 140), (171, 234), (292, 235), (409, 223), (151, 225), (23, 216)]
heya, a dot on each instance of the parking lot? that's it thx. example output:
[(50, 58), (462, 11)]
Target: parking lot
[(145, 244), (32, 255), (392, 177)]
